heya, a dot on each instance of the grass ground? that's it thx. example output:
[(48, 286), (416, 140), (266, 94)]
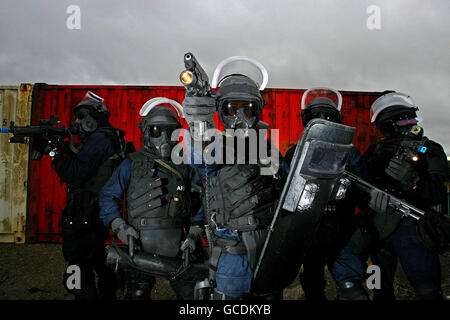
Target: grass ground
[(34, 272)]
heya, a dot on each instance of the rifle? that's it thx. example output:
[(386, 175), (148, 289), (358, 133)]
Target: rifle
[(398, 206), (49, 129), (196, 82)]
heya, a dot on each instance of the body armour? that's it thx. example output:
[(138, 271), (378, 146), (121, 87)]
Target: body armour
[(242, 200), (158, 203)]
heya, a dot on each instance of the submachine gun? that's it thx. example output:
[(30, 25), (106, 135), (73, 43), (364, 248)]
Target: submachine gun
[(49, 129)]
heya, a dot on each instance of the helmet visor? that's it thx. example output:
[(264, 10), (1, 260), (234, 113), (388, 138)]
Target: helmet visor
[(155, 131), (322, 92), (243, 66), (393, 100)]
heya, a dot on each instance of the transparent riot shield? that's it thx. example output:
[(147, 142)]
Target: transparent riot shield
[(318, 163)]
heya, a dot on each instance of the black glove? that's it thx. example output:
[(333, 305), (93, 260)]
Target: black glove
[(379, 201), (42, 145), (434, 231), (122, 229), (191, 240), (403, 172), (199, 109)]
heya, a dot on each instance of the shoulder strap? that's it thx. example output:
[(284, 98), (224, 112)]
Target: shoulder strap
[(168, 167), (116, 136)]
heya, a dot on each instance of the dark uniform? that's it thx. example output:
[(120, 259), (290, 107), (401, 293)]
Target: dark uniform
[(410, 167), (332, 233), (238, 200), (339, 220), (83, 233), (158, 202), (421, 266), (241, 205)]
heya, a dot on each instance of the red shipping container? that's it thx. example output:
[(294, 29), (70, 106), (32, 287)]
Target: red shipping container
[(47, 197)]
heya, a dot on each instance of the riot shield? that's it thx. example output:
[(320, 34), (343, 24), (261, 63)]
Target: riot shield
[(319, 161)]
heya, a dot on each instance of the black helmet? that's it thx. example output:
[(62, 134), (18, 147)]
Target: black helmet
[(94, 104), (318, 103), (158, 123), (90, 114)]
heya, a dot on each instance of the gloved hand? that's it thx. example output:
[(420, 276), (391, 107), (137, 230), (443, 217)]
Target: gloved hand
[(199, 109), (379, 201), (122, 229), (403, 172), (191, 240), (42, 144)]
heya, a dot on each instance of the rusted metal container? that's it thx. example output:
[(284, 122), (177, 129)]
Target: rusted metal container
[(15, 105), (46, 196)]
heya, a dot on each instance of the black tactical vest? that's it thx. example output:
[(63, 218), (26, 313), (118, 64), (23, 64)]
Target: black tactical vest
[(241, 199), (158, 202)]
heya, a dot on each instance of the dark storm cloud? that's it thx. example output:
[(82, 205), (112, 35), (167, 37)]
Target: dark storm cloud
[(301, 43)]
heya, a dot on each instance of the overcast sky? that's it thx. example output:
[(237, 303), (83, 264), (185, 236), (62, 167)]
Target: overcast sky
[(301, 44)]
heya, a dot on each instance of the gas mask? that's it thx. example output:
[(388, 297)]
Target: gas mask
[(403, 124), (157, 139), (240, 103), (157, 127), (90, 114), (84, 123), (239, 114)]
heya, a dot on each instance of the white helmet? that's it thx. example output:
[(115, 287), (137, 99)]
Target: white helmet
[(395, 101)]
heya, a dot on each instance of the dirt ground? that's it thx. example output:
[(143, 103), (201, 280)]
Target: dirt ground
[(34, 272)]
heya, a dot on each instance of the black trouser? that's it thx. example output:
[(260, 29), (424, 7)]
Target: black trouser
[(333, 232), (84, 238), (422, 267), (312, 278), (104, 289)]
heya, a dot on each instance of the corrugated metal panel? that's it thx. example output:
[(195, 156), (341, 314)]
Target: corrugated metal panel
[(15, 105), (47, 197)]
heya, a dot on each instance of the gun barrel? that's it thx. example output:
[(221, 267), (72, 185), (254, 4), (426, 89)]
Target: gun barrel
[(37, 130), (403, 207), (194, 78)]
